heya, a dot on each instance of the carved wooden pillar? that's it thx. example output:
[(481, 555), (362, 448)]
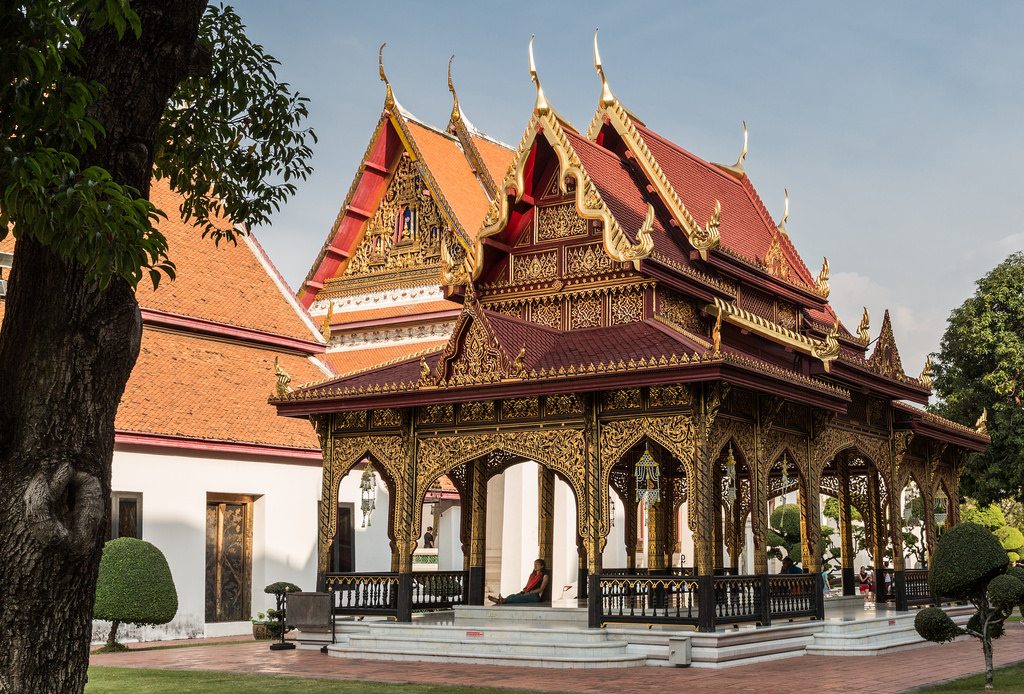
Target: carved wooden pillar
[(476, 477), (656, 537), (721, 520), (879, 533), (546, 514), (846, 525), (596, 489), (632, 527), (703, 494), (899, 442), (810, 505), (759, 508), (669, 517), (322, 425)]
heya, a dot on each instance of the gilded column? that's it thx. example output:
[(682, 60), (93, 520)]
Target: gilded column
[(322, 427), (596, 490), (545, 514), (768, 410), (632, 527), (702, 491), (845, 525), (477, 483), (656, 537), (810, 503), (720, 523)]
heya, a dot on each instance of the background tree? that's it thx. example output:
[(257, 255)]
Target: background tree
[(84, 86), (135, 586), (980, 366), (970, 564), (992, 519)]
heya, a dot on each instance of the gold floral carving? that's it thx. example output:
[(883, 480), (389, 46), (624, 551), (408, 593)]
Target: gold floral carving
[(559, 222), (670, 396), (547, 313), (674, 433), (885, 360), (479, 362), (520, 408), (561, 450), (534, 267), (680, 312), (628, 399), (585, 312), (627, 307), (389, 417), (406, 230), (587, 260), (351, 420), (477, 411), (437, 414), (562, 404), (775, 260)]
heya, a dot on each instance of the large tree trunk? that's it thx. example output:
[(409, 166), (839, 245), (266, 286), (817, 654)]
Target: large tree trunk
[(66, 351)]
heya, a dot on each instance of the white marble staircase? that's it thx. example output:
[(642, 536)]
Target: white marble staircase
[(886, 634), (484, 644)]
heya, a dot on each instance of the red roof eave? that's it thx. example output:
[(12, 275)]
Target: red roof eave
[(861, 375), (165, 319), (313, 455)]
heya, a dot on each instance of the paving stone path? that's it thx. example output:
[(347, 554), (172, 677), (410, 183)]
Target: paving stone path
[(895, 672)]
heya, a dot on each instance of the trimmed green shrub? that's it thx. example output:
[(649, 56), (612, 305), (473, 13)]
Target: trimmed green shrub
[(933, 624), (1005, 592), (967, 557), (135, 586)]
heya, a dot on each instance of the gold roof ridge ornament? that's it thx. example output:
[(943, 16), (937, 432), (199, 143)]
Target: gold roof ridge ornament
[(737, 169), (785, 215), (456, 109), (821, 284), (607, 98), (389, 100), (981, 426), (864, 327), (283, 379), (541, 105), (926, 373), (828, 350)]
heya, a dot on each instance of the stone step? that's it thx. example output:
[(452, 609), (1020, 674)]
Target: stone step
[(486, 632), (522, 614), (876, 636), (573, 662), (493, 647)]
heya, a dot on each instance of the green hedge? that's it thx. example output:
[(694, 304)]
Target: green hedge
[(967, 557), (135, 584)]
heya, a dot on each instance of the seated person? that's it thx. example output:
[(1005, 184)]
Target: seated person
[(536, 585), (788, 567)]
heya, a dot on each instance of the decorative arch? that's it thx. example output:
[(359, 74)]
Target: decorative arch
[(561, 450)]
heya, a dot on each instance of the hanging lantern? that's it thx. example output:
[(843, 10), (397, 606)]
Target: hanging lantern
[(730, 471), (785, 478), (611, 508), (941, 507), (647, 476), (368, 487)]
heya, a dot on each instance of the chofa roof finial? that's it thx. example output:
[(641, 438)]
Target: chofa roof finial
[(541, 107), (607, 98), (737, 169), (785, 213), (456, 111), (389, 101)]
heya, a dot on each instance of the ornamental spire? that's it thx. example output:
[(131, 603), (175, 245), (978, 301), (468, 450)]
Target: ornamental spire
[(389, 100), (737, 169), (607, 98), (785, 214), (541, 106), (456, 109)]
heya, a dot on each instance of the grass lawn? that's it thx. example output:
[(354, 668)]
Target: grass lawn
[(1007, 680), (112, 680)]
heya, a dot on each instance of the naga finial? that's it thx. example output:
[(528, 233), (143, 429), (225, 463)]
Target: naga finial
[(519, 364), (456, 111), (743, 154), (822, 282), (389, 101), (864, 327), (981, 426), (607, 98), (424, 371), (716, 335), (325, 327), (541, 107), (926, 374), (785, 213), (283, 379)]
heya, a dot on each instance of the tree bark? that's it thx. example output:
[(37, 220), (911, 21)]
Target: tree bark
[(66, 351)]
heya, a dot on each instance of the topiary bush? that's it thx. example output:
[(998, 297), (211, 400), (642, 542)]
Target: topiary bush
[(135, 586), (967, 557), (280, 590), (970, 564)]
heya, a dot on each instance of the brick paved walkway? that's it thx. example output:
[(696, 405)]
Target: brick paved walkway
[(896, 672)]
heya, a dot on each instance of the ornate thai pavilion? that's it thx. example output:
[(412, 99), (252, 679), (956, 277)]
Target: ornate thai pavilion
[(630, 317)]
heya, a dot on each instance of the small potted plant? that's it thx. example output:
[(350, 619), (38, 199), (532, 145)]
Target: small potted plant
[(265, 625), (280, 591)]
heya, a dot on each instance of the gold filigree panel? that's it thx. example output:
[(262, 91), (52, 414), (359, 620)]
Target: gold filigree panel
[(534, 267), (405, 231), (680, 311), (587, 260), (627, 399), (627, 307), (520, 408), (585, 312), (562, 404), (547, 313), (351, 420), (557, 222), (385, 418), (437, 414), (479, 361), (477, 411), (673, 395)]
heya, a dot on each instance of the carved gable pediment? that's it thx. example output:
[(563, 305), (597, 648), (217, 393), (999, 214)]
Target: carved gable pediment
[(473, 354), (885, 360)]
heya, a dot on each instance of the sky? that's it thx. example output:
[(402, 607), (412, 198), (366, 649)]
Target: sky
[(894, 126)]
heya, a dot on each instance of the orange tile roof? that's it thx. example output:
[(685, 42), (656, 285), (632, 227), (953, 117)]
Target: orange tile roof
[(225, 283), (348, 361), (459, 185), (196, 387), (497, 159), (341, 318)]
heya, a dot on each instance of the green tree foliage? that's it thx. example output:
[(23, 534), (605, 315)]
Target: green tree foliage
[(991, 518), (970, 564), (784, 533), (980, 366), (134, 587)]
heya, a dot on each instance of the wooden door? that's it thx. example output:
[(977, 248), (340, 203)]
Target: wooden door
[(343, 557), (228, 559)]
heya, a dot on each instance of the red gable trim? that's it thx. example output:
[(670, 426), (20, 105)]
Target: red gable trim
[(217, 446), (165, 319)]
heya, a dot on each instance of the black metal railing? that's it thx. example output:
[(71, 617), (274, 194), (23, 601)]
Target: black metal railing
[(438, 590), (918, 592), (363, 594), (739, 599), (643, 599), (791, 596), (641, 571)]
